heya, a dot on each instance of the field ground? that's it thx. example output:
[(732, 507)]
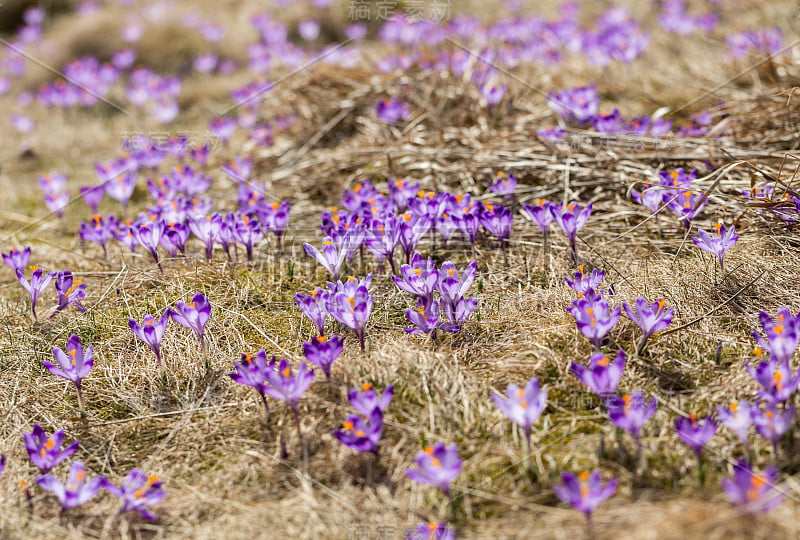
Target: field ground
[(230, 476)]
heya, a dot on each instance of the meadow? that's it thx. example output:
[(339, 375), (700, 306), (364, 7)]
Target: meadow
[(377, 270)]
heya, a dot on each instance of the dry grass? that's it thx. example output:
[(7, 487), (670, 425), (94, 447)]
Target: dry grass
[(226, 471)]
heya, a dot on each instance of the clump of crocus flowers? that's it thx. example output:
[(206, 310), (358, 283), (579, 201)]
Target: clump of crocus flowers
[(362, 432), (423, 279)]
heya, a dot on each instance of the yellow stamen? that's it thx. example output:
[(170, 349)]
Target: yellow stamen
[(583, 477), (757, 483), (627, 399)]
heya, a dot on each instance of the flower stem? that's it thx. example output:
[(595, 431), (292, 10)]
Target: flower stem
[(266, 407), (701, 473), (528, 453), (640, 345), (302, 439), (80, 401)]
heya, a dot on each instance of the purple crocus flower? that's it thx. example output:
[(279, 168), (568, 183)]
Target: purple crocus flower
[(503, 184), (137, 491), (193, 315), (330, 258), (222, 128), (174, 238), (650, 318), (541, 215), (751, 492), (585, 491), (51, 182), (252, 371), (125, 235), (367, 399), (392, 110), (289, 387), (313, 307), (773, 422), (552, 134), (249, 232), (120, 187), (425, 318), (412, 228), (453, 287), (776, 379), (498, 220), (437, 465), (16, 259), (571, 219), (323, 351), (431, 531), (601, 376), (149, 236), (73, 365), (239, 169), (70, 291), (638, 126), (650, 197), (36, 285), (151, 331), (381, 239), (46, 452), (56, 201), (630, 412), (93, 195), (594, 318), (717, 243), (361, 435), (469, 224), (523, 406), (459, 313), (352, 310), (419, 278), (493, 93), (695, 433), (782, 335), (99, 230), (78, 488), (738, 417), (586, 284), (685, 203), (575, 105), (207, 229)]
